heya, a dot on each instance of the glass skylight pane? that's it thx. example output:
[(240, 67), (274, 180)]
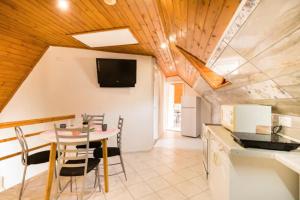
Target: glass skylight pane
[(107, 38)]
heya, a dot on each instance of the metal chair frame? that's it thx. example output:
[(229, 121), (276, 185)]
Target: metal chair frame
[(24, 155), (96, 120), (64, 141), (119, 145)]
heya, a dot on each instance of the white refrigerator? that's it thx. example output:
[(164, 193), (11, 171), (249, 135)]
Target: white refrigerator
[(194, 112)]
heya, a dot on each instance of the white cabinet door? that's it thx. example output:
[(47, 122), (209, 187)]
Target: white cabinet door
[(219, 173)]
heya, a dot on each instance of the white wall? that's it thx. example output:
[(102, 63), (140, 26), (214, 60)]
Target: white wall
[(64, 81), (159, 84), (188, 91)]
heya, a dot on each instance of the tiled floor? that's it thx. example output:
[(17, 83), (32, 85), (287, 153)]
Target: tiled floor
[(172, 170)]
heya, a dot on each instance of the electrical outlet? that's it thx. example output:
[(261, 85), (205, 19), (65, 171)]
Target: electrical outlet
[(285, 121)]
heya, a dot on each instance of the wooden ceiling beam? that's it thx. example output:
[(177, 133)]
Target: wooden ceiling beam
[(213, 79)]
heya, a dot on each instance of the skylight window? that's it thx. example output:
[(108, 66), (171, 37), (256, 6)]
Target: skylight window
[(107, 38)]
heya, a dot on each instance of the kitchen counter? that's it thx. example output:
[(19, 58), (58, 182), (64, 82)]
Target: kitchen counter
[(233, 170), (223, 136), (291, 161)]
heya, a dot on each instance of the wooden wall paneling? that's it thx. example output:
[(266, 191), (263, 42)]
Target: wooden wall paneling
[(128, 16), (11, 90), (180, 14), (191, 22), (82, 14), (33, 17), (157, 35), (215, 8), (165, 30), (97, 12), (223, 20), (202, 9), (194, 22), (166, 18)]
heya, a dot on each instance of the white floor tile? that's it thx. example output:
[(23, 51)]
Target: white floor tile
[(157, 183), (170, 193), (188, 188), (139, 190), (166, 172), (152, 196)]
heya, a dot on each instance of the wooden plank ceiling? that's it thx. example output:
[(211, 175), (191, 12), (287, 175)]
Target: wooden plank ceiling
[(28, 27)]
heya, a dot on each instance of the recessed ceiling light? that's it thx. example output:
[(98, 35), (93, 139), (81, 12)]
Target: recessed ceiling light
[(163, 45), (110, 2), (172, 38), (63, 4), (107, 38)]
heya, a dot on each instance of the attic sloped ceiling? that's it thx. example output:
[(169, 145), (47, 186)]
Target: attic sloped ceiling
[(197, 26), (19, 52), (27, 28), (261, 59)]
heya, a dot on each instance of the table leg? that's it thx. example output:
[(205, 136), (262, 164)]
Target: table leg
[(52, 160), (105, 165)]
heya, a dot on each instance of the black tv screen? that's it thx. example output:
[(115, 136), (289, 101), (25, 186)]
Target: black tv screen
[(116, 72)]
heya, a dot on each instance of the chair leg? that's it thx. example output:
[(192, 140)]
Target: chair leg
[(98, 178), (123, 167), (56, 176), (71, 184), (58, 184), (23, 182), (76, 187), (82, 189), (96, 174)]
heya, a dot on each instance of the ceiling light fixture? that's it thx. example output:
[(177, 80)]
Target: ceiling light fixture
[(110, 2), (163, 45), (63, 4), (172, 38)]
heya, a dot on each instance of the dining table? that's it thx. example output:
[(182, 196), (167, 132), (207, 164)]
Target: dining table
[(96, 135)]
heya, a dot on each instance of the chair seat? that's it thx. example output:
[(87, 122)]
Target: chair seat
[(39, 157), (111, 151), (79, 171), (92, 145)]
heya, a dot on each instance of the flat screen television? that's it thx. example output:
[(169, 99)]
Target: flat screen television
[(116, 72)]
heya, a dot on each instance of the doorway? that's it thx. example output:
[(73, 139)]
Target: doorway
[(175, 92)]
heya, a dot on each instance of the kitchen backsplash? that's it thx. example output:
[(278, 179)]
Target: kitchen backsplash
[(290, 124)]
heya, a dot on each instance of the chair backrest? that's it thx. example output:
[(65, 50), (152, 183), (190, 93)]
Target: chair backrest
[(67, 140), (23, 144), (96, 120), (120, 128)]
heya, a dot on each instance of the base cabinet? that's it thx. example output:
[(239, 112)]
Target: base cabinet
[(219, 172), (241, 177)]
